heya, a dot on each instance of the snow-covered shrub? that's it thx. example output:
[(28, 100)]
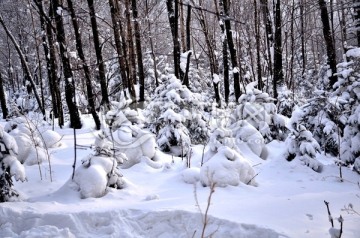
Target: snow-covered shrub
[(348, 91), (285, 105), (27, 137), (301, 145), (244, 132), (258, 109), (176, 115), (322, 116), (99, 170), (9, 167), (227, 167), (125, 133)]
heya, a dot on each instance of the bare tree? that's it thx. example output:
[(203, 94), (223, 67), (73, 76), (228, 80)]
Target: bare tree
[(75, 121), (99, 58), (330, 48), (80, 51)]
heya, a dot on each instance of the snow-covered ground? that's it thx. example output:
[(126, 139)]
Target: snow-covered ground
[(288, 201)]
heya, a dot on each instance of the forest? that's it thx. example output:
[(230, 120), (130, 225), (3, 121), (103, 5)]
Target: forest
[(215, 93)]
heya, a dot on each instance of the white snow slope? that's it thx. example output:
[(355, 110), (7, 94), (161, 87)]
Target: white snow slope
[(288, 202)]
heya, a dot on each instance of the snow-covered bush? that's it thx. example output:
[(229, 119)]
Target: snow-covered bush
[(176, 115), (285, 105), (99, 171), (227, 167), (259, 110), (301, 145), (9, 167), (33, 151), (125, 133)]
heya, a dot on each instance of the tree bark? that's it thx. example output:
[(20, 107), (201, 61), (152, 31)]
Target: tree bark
[(173, 20), (50, 61), (99, 58), (130, 46), (278, 80), (330, 48), (152, 45), (232, 49), (138, 51), (257, 39), (115, 17), (3, 99), (79, 49), (357, 20), (75, 121)]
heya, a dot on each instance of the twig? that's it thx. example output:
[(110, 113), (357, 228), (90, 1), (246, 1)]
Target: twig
[(252, 179), (329, 213), (206, 219)]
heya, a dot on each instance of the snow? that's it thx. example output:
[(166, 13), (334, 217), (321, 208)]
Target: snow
[(160, 202)]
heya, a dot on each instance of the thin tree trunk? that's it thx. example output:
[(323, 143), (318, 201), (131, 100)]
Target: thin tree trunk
[(232, 49), (173, 20), (152, 45), (257, 39), (79, 48), (268, 33), (75, 121), (51, 70), (4, 108), (212, 56), (138, 51), (130, 45), (357, 20), (224, 51), (278, 80), (302, 36), (330, 48), (115, 17), (24, 63), (182, 27), (99, 58)]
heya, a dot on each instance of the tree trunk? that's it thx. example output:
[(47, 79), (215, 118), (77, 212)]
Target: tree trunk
[(211, 47), (173, 20), (75, 121), (330, 49), (99, 58), (50, 65), (257, 39), (152, 45), (357, 20), (79, 48), (278, 80), (24, 63), (115, 17), (232, 49), (130, 45), (3, 99), (138, 51), (268, 33)]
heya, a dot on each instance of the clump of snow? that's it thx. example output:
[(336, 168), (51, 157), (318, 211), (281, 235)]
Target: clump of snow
[(191, 175), (52, 139), (227, 167)]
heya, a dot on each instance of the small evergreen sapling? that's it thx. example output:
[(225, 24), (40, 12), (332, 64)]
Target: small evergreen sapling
[(302, 146)]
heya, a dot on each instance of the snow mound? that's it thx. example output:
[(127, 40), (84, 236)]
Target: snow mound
[(227, 167), (51, 139), (122, 223)]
